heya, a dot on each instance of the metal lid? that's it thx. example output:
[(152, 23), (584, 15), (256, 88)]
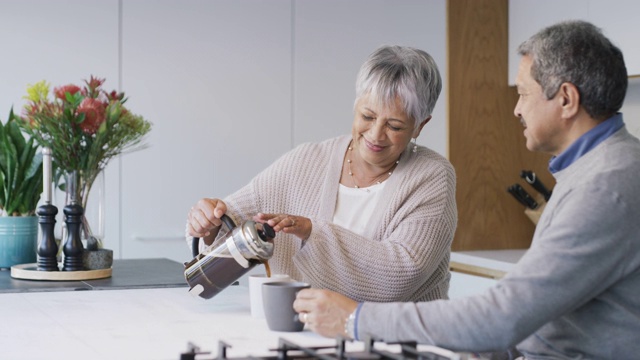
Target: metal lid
[(257, 239)]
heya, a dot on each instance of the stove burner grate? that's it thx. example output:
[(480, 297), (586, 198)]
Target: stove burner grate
[(288, 350)]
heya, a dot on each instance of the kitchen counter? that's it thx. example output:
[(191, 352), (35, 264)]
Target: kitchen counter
[(132, 324), (493, 264), (473, 272), (143, 312), (138, 324), (126, 274)]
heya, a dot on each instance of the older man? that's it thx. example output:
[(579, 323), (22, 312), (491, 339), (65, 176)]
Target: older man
[(576, 292)]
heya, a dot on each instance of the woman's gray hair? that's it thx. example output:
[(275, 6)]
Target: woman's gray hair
[(578, 53), (402, 72)]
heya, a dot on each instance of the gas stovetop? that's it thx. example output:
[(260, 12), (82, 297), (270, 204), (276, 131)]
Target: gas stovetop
[(289, 350)]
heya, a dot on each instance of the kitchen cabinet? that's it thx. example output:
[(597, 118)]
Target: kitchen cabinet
[(486, 143), (214, 78), (472, 272), (62, 43), (615, 17), (463, 285), (230, 86)]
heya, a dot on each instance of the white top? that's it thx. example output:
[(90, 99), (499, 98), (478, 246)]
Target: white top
[(355, 206)]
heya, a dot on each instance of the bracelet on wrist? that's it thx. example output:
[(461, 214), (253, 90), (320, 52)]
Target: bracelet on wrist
[(350, 325)]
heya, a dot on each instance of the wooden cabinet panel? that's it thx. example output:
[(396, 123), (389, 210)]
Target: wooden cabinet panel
[(487, 146)]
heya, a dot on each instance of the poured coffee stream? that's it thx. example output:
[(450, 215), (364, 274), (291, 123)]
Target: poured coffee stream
[(267, 267)]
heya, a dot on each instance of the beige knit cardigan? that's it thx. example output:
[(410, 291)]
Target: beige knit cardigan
[(404, 254)]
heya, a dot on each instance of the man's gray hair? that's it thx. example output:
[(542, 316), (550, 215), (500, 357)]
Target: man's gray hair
[(578, 53)]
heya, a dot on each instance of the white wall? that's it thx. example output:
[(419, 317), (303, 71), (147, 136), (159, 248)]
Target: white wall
[(61, 42), (228, 85), (631, 107)]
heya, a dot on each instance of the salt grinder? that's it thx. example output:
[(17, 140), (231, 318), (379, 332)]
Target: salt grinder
[(232, 256), (47, 249)]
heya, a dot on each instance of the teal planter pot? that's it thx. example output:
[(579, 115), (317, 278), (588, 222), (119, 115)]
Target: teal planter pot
[(18, 240)]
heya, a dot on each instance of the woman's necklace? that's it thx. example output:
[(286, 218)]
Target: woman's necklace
[(378, 180)]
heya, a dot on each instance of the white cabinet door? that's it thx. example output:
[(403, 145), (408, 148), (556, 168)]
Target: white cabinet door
[(230, 86), (214, 79), (616, 18), (61, 43), (332, 40), (462, 285)]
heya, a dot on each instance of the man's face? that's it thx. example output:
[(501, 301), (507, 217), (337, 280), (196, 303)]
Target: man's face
[(541, 117)]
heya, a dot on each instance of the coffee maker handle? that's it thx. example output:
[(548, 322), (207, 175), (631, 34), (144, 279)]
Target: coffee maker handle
[(195, 246), (195, 242)]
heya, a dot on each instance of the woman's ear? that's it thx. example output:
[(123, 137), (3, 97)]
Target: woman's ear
[(417, 131)]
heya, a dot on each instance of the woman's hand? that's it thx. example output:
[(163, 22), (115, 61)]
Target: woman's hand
[(324, 311), (290, 224), (203, 219)]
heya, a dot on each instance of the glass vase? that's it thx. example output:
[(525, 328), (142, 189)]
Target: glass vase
[(90, 194)]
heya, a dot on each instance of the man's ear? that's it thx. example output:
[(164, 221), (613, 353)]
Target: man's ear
[(569, 98)]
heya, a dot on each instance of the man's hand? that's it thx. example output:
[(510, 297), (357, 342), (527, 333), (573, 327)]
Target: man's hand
[(324, 311)]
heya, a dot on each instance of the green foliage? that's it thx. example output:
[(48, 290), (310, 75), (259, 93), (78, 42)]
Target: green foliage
[(20, 171)]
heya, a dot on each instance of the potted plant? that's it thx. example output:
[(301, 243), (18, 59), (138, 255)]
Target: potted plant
[(21, 179)]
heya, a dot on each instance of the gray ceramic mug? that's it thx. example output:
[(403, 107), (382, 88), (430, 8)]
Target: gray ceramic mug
[(277, 299)]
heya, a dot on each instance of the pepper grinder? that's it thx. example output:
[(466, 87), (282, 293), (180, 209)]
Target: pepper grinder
[(73, 248), (47, 249)]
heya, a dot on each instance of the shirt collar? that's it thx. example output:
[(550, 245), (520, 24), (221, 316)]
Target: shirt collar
[(586, 143)]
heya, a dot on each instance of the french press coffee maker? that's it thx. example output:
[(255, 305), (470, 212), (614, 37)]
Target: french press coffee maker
[(232, 256)]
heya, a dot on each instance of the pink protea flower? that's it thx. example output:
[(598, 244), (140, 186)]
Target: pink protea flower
[(94, 112), (93, 86), (114, 95), (60, 91)]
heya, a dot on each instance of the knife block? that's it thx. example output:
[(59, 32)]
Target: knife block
[(534, 214)]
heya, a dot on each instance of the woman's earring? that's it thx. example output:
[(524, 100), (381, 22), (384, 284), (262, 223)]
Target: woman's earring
[(415, 146)]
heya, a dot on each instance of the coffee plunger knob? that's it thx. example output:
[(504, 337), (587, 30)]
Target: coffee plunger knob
[(267, 232)]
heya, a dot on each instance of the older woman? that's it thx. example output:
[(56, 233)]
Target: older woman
[(370, 215)]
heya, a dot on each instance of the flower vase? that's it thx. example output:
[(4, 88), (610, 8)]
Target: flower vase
[(93, 202), (88, 192)]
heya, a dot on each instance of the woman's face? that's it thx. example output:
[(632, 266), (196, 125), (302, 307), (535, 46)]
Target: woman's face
[(381, 132)]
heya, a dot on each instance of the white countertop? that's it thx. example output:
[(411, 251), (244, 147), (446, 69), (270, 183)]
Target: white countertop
[(502, 260), (472, 272), (150, 324), (133, 324), (155, 323)]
